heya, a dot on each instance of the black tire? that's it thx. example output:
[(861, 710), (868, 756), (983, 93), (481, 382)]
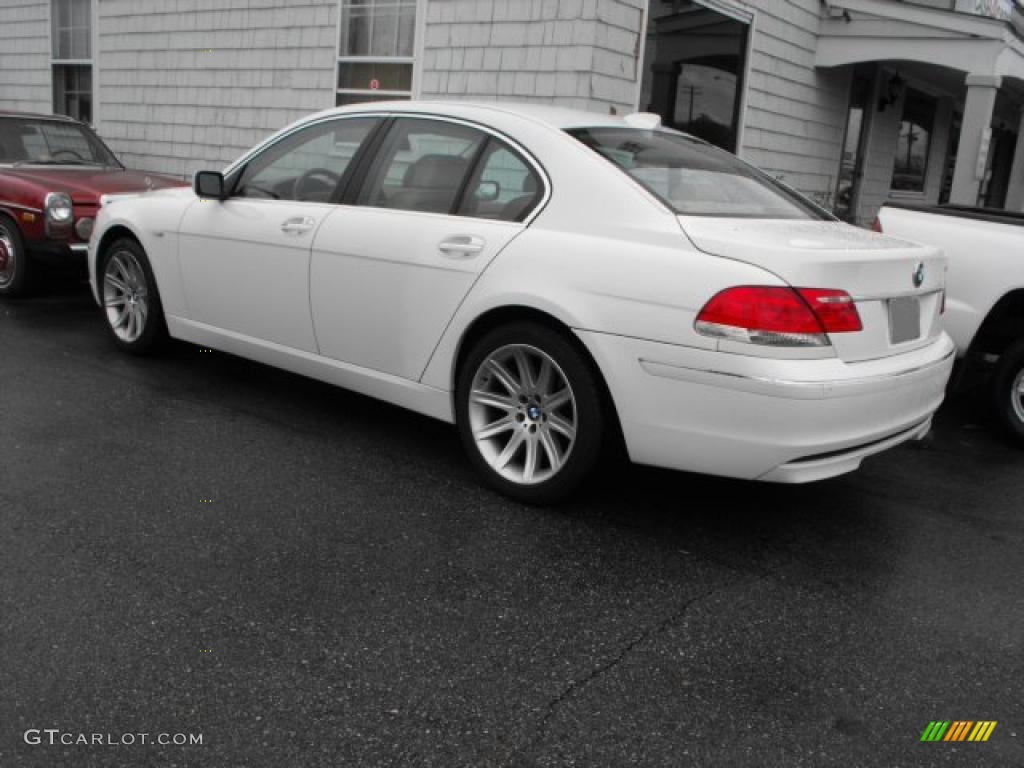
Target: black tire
[(1007, 395), (124, 263), (541, 417), (16, 278)]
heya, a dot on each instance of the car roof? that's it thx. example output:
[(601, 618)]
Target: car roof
[(561, 118)]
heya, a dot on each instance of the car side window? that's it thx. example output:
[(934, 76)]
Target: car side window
[(422, 166), (505, 187), (309, 164)]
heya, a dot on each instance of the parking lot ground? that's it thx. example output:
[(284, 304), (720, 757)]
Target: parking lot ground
[(197, 544)]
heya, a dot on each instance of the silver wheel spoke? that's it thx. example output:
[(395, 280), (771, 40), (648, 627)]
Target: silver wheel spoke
[(550, 448), (493, 400), (117, 301), (523, 364), (561, 426), (504, 424), (117, 283), (530, 463), (121, 318), (558, 399), (543, 382), (510, 449), (504, 376)]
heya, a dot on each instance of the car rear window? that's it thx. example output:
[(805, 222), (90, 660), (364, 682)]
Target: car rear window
[(695, 178)]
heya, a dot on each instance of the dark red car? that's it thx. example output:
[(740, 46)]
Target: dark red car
[(53, 171)]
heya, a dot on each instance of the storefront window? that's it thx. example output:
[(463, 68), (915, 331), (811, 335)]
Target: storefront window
[(375, 52), (912, 149)]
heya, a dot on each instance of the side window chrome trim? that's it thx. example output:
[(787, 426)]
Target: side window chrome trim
[(512, 143)]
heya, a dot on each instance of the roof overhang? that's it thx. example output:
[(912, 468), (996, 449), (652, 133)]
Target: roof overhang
[(854, 31)]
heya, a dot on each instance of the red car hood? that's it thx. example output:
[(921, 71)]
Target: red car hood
[(85, 185)]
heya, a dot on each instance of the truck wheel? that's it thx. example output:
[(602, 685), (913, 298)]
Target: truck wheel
[(1008, 390), (14, 266)]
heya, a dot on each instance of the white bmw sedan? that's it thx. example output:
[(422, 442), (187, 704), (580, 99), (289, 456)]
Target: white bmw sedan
[(548, 280)]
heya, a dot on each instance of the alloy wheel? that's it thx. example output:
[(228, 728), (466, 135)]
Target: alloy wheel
[(523, 414), (8, 257), (125, 296)]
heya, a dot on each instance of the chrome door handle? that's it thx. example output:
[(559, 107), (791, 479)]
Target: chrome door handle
[(462, 246), (298, 225)]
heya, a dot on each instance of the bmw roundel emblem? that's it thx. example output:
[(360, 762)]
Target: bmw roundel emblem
[(919, 276)]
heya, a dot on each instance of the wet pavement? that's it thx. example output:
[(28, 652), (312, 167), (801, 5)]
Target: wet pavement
[(195, 544)]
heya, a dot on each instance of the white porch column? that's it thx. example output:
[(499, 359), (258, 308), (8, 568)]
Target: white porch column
[(981, 98), (1015, 194)]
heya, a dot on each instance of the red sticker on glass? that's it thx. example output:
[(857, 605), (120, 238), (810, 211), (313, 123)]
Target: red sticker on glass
[(375, 85)]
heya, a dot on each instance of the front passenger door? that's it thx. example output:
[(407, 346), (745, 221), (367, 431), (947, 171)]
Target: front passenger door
[(245, 260), (440, 200)]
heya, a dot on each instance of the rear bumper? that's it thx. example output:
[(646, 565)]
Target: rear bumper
[(763, 418)]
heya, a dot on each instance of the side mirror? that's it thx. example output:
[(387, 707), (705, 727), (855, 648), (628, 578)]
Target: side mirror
[(209, 185), (487, 191)]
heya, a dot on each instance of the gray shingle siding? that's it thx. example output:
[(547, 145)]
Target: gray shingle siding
[(796, 114), (195, 83), (25, 83), (579, 53)]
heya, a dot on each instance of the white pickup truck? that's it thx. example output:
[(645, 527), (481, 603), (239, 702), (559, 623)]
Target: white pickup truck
[(985, 291)]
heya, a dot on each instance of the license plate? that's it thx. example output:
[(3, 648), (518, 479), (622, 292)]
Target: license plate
[(904, 319)]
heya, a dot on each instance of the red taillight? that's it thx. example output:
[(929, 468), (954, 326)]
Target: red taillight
[(778, 316), (835, 309), (877, 224)]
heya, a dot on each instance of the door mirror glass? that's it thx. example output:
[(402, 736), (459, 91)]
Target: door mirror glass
[(209, 185)]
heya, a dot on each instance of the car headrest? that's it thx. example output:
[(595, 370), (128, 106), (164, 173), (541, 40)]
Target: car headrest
[(436, 171)]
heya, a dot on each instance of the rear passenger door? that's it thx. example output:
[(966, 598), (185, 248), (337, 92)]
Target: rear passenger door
[(389, 269)]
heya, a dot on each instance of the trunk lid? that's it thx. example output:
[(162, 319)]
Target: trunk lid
[(896, 284)]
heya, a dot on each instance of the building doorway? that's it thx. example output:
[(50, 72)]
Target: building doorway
[(695, 63)]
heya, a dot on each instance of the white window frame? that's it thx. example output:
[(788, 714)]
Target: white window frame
[(414, 91)]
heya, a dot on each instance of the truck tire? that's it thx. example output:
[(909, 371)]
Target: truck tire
[(1008, 391)]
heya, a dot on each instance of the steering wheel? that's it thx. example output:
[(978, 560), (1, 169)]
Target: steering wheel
[(71, 152), (299, 191)]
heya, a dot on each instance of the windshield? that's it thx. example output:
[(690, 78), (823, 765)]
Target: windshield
[(24, 141), (694, 178)]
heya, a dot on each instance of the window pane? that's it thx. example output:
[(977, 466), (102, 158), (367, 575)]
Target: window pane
[(422, 166), (308, 165), (72, 90), (375, 76), (911, 161), (406, 31), (377, 27), (505, 187), (71, 29), (695, 178)]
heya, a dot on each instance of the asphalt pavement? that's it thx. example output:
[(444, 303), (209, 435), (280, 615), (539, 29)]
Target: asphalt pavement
[(194, 544)]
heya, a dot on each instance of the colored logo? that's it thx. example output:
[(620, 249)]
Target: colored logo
[(919, 276), (958, 730)]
